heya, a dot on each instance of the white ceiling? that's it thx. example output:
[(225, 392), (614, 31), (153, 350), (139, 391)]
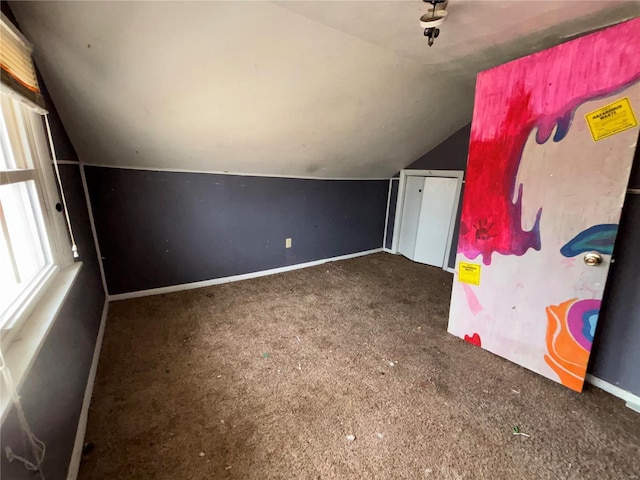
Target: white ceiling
[(314, 88)]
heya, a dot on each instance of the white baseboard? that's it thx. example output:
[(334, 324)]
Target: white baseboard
[(632, 401), (76, 454), (235, 278), (388, 250), (450, 270)]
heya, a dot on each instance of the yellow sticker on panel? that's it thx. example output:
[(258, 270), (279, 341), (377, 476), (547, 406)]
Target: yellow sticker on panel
[(611, 119), (469, 273)]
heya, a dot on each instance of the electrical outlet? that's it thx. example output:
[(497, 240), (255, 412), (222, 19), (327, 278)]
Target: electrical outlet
[(287, 243)]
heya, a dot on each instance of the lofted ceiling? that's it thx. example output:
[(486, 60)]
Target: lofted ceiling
[(331, 89)]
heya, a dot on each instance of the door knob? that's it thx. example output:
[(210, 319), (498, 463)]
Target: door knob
[(592, 259)]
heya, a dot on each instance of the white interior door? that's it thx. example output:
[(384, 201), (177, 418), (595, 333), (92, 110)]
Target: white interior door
[(410, 215), (432, 238)]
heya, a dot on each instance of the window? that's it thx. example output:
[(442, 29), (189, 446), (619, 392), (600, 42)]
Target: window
[(34, 243)]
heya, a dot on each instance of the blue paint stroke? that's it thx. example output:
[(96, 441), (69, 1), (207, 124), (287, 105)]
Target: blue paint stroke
[(599, 238), (564, 122), (590, 319)]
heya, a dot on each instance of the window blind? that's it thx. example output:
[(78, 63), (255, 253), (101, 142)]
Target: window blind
[(17, 71)]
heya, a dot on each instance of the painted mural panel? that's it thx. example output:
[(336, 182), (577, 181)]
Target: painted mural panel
[(552, 142)]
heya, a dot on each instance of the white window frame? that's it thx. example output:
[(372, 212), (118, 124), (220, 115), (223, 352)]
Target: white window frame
[(35, 145), (34, 311)]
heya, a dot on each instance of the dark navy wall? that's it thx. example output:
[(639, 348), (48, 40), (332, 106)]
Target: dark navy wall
[(449, 155), (157, 229), (616, 355), (53, 390)]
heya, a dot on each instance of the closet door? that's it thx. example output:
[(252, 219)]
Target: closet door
[(410, 216), (438, 196)]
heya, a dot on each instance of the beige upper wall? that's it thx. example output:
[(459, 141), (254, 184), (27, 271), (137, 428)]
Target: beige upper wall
[(323, 89)]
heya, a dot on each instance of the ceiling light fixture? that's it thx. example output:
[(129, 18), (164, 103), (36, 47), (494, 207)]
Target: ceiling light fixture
[(434, 17)]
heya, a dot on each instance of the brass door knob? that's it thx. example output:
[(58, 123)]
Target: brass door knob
[(592, 259)]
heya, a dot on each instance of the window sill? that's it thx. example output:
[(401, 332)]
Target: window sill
[(22, 351)]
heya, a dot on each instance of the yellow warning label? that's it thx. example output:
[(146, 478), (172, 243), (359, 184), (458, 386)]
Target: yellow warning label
[(611, 119), (469, 273)]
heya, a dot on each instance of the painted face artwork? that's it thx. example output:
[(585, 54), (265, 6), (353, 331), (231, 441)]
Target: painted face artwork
[(540, 193)]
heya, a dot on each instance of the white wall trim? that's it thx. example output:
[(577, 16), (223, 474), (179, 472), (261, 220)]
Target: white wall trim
[(241, 174), (457, 174), (396, 223), (386, 218), (634, 191), (450, 270), (632, 401), (93, 230), (78, 445), (387, 250), (235, 278)]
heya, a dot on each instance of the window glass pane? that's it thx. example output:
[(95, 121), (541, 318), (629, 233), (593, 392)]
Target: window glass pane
[(24, 250), (13, 137), (7, 162)]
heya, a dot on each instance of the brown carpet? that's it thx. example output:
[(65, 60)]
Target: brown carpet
[(266, 378)]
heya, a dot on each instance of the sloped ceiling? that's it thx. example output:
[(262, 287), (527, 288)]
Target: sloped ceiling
[(324, 89)]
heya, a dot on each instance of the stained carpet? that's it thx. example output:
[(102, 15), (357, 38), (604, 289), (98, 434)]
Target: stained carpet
[(266, 379)]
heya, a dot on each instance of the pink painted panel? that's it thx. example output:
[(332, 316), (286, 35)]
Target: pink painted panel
[(540, 194)]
